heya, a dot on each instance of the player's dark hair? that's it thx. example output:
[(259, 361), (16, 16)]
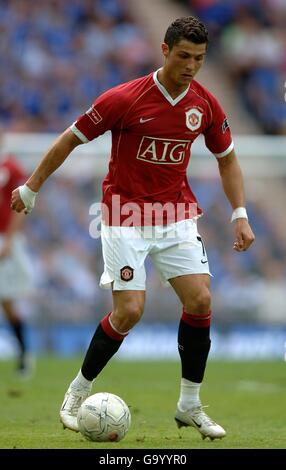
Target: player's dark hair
[(188, 28)]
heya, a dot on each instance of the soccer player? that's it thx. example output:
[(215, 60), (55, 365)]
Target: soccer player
[(15, 278), (154, 120)]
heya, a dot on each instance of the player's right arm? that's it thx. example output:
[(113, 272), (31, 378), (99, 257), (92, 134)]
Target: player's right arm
[(52, 160)]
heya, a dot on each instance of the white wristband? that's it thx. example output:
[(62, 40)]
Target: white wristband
[(28, 197), (239, 213)]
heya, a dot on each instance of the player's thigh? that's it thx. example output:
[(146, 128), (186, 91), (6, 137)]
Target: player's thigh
[(9, 309), (124, 254)]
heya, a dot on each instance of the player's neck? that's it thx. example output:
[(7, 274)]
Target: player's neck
[(172, 88)]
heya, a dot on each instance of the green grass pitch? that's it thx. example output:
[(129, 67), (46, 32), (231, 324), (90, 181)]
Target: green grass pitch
[(244, 397)]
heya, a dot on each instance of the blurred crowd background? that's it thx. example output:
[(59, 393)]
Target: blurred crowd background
[(55, 58)]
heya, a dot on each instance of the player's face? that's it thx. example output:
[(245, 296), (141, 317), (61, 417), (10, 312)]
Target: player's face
[(183, 61)]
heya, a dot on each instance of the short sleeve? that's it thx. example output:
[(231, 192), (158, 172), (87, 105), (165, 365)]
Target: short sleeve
[(218, 137), (105, 114)]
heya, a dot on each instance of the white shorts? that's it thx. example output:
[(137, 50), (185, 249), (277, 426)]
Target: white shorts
[(175, 249), (15, 271)]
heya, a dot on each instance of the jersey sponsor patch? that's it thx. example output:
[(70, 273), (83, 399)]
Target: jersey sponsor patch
[(126, 273), (94, 115), (193, 119), (162, 151), (224, 126)]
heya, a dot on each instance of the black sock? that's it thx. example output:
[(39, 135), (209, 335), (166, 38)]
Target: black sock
[(101, 349), (18, 330), (194, 345)]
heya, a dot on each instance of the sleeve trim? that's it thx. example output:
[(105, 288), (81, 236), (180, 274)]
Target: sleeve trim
[(226, 152), (78, 133)]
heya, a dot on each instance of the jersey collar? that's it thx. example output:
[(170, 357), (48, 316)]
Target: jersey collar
[(165, 93)]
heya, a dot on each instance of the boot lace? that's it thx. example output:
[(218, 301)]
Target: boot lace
[(199, 414)]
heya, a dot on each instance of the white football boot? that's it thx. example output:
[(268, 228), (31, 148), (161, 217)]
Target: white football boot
[(74, 397), (198, 419)]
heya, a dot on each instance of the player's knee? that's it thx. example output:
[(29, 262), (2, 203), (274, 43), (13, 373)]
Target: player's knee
[(128, 315), (199, 304), (134, 312)]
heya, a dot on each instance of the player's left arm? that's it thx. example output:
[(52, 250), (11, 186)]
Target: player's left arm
[(232, 182)]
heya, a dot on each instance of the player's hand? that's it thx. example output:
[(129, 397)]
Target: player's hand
[(23, 199), (244, 236), (17, 203)]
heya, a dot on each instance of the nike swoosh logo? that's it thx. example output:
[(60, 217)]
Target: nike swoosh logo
[(197, 424), (64, 404), (204, 262), (142, 120)]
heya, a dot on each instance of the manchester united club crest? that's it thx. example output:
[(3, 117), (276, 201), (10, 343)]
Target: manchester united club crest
[(126, 273), (193, 119)]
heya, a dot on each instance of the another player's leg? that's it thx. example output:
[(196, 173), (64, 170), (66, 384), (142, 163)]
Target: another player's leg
[(194, 345), (107, 339), (17, 326)]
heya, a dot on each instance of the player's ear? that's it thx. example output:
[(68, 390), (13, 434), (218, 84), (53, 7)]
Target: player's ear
[(165, 49)]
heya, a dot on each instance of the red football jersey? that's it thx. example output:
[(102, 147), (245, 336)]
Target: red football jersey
[(11, 176), (152, 135)]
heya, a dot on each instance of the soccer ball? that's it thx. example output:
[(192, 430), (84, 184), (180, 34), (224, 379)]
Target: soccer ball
[(104, 417)]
